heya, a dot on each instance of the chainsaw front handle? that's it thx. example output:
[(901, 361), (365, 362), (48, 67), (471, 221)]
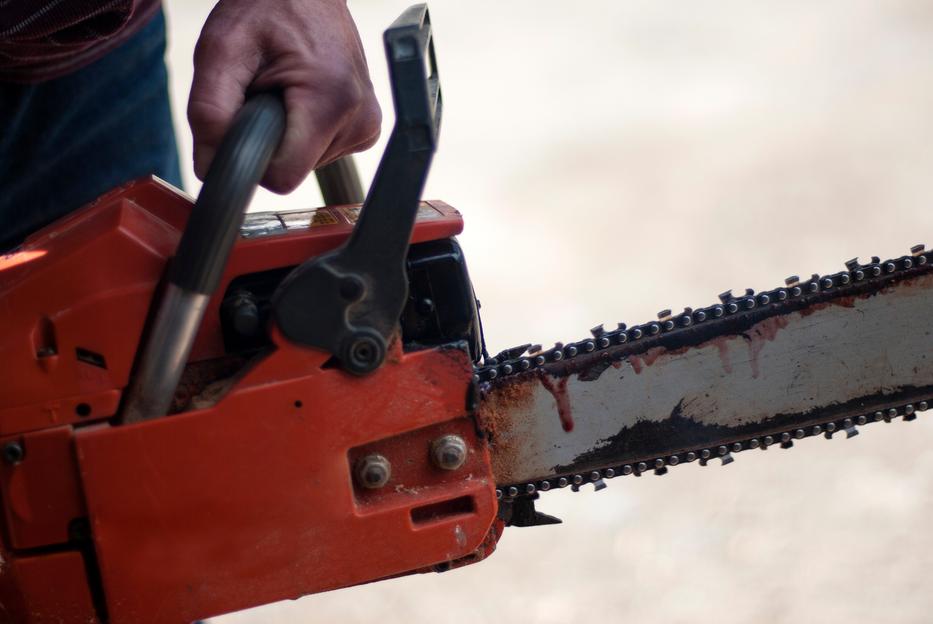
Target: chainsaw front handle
[(195, 271), (231, 181)]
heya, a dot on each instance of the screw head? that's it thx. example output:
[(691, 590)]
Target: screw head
[(449, 452), (373, 471), (13, 453), (363, 352)]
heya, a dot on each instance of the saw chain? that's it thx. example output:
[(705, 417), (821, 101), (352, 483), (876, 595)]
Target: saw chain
[(688, 329)]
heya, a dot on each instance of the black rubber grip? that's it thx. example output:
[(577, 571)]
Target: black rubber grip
[(236, 170)]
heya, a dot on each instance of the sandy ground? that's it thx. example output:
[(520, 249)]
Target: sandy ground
[(616, 158)]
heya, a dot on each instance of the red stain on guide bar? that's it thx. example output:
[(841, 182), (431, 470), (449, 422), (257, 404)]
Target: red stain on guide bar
[(763, 332), (559, 391)]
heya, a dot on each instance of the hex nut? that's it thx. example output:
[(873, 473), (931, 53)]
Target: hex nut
[(373, 471), (449, 452)]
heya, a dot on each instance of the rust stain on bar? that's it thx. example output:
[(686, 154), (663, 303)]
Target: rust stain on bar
[(559, 391)]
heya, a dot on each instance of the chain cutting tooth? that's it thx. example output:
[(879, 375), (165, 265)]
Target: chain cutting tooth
[(512, 361), (723, 452)]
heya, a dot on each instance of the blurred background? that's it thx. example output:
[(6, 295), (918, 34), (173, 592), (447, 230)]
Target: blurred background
[(614, 158)]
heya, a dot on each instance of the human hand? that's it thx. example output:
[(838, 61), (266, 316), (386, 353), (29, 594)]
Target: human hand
[(310, 51)]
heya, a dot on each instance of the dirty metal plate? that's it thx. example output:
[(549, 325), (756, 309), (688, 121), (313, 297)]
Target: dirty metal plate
[(835, 359)]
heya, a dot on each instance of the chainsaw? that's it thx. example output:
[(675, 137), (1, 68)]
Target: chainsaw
[(205, 410)]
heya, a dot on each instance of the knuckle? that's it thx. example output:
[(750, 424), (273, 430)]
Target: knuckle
[(372, 116), (282, 181), (209, 47), (368, 124), (344, 88), (205, 116)]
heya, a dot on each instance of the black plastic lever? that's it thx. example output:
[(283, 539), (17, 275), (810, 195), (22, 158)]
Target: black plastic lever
[(348, 302)]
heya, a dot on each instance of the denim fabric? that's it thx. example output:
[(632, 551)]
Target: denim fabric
[(66, 141)]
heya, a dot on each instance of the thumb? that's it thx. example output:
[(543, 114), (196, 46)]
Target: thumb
[(221, 76)]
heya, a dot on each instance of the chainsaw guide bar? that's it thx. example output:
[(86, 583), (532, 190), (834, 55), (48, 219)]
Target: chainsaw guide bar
[(816, 357)]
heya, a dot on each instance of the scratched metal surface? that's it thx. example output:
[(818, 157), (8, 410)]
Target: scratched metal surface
[(853, 352)]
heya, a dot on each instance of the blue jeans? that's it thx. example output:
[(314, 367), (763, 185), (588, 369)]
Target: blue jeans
[(66, 141)]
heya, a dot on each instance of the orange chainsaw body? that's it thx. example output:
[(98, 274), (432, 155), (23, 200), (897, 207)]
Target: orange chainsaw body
[(241, 498)]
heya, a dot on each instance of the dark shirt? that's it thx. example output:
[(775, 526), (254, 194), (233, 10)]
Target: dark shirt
[(41, 40)]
